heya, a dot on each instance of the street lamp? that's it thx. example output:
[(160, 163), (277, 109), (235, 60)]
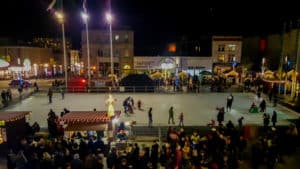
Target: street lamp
[(286, 71), (263, 65), (60, 18), (85, 17), (109, 20)]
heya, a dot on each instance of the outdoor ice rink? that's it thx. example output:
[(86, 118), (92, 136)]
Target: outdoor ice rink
[(198, 108)]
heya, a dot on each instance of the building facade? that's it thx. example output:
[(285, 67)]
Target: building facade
[(26, 62), (76, 66), (171, 65), (99, 45), (226, 49)]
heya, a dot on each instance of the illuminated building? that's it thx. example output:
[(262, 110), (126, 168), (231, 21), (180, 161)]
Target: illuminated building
[(100, 51), (27, 62)]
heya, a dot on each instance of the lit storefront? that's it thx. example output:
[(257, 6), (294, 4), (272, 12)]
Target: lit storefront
[(28, 62), (171, 65)]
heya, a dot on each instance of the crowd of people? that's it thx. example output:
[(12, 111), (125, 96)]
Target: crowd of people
[(224, 146)]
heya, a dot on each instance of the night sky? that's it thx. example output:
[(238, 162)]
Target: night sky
[(154, 22)]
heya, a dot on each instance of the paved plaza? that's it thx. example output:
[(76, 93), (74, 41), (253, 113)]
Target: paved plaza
[(198, 108)]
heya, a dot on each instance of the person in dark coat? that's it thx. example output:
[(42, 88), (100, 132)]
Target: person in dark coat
[(266, 120), (220, 116), (112, 159), (154, 155), (274, 118), (240, 121), (50, 94), (76, 163), (150, 117), (262, 106), (171, 115)]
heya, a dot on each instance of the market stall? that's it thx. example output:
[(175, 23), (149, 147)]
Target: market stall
[(12, 128), (88, 122)]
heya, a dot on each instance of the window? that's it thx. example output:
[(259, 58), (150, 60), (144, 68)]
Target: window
[(221, 58), (126, 38), (117, 52), (231, 47), (106, 52), (221, 48), (100, 52), (126, 53)]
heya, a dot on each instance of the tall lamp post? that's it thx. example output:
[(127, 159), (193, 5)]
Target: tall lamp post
[(60, 18), (85, 19), (286, 71), (263, 66), (109, 20)]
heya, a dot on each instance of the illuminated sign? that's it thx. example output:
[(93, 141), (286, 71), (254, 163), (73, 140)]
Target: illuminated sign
[(3, 63), (26, 64)]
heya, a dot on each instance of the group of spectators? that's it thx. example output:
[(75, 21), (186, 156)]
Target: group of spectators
[(6, 96), (224, 146), (77, 152)]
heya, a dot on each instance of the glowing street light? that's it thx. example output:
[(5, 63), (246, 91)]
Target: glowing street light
[(85, 18), (263, 65), (109, 19), (60, 18)]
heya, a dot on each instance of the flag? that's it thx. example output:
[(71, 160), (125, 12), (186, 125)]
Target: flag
[(51, 5), (84, 6)]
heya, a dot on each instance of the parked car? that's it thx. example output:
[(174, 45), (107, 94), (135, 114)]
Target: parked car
[(16, 83)]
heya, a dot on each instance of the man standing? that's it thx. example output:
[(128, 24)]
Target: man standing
[(150, 117), (181, 119), (274, 118), (240, 121), (62, 92), (229, 102), (154, 154), (50, 94), (171, 115)]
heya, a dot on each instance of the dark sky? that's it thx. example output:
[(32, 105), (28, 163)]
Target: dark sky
[(155, 22)]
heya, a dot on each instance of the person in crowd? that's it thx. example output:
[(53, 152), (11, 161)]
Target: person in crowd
[(253, 108), (181, 116), (262, 106), (171, 115), (229, 102), (35, 127), (36, 87), (9, 94), (4, 98), (220, 116), (274, 118), (50, 94), (240, 122), (154, 154), (20, 90), (150, 119), (139, 104), (62, 92), (266, 120)]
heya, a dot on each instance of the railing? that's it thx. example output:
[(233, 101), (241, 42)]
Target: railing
[(139, 89), (104, 89)]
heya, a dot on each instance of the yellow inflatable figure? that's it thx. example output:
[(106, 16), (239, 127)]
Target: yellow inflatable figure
[(110, 102)]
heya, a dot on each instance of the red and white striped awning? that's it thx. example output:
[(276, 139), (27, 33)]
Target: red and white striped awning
[(87, 116)]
